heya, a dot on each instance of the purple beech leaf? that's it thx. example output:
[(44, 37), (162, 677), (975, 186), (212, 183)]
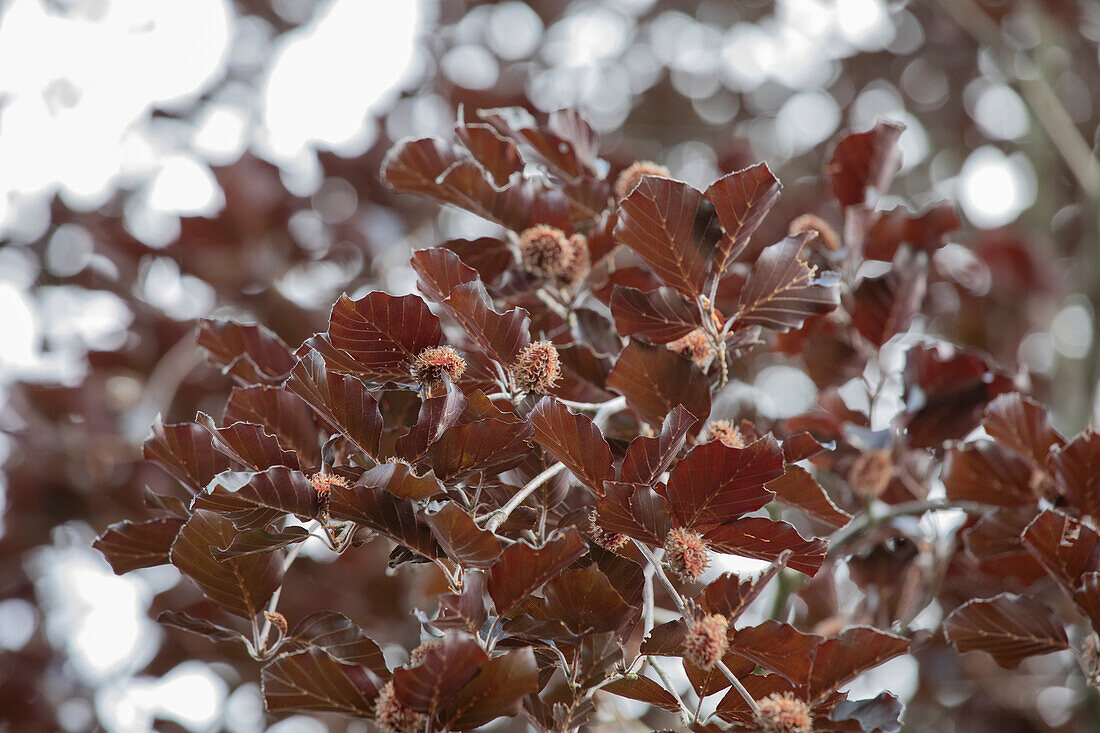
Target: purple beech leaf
[(647, 458), (523, 569), (312, 681), (766, 539), (186, 452), (384, 333), (462, 540), (655, 381), (782, 292), (132, 545), (341, 401), (575, 441), (251, 353), (659, 316), (249, 444), (865, 160), (336, 635), (433, 684), (282, 413), (741, 200), (1009, 627), (241, 585)]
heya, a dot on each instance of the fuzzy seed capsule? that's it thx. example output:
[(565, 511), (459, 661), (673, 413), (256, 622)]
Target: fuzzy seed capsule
[(433, 363), (632, 176), (277, 620), (545, 251), (707, 641), (579, 262), (393, 716), (724, 431), (871, 473), (783, 713), (537, 368), (686, 554), (611, 541), (416, 657), (695, 346)]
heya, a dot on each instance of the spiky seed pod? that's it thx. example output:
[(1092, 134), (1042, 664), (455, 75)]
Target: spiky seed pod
[(871, 472), (432, 363), (686, 553), (322, 486), (545, 251), (393, 716), (579, 261), (783, 713), (707, 641), (826, 236), (611, 541), (277, 620), (537, 368), (696, 346), (632, 176), (724, 431), (416, 657)]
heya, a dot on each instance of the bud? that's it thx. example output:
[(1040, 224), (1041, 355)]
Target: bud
[(632, 176), (611, 541), (393, 716), (416, 658), (871, 472), (707, 641), (578, 263), (724, 431), (695, 346), (824, 234), (432, 363), (322, 485), (783, 713), (277, 620), (545, 251), (537, 368), (686, 554)]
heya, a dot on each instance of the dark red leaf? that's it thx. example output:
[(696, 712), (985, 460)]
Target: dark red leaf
[(988, 474), (249, 444), (312, 681), (1077, 467), (384, 333), (563, 141), (497, 155), (1087, 598), (797, 488), (241, 585), (523, 569), (186, 452), (383, 512), (1007, 626), (842, 658), (497, 690), (659, 316), (765, 539), (636, 511), (437, 416), (735, 709), (884, 306), (1022, 425), (715, 483), (465, 610), (279, 490), (673, 228), (575, 441), (282, 414), (336, 635), (655, 381), (778, 647), (665, 640), (924, 233), (1066, 547), (251, 353), (342, 401), (500, 335), (478, 446), (445, 669), (586, 603), (946, 389), (439, 271), (488, 255), (741, 199), (132, 545), (781, 291), (259, 540), (881, 713), (865, 160), (200, 626), (729, 596), (644, 689), (647, 458), (400, 480), (462, 540)]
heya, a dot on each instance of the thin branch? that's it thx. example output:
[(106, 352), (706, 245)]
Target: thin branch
[(870, 519), (592, 406), (498, 517)]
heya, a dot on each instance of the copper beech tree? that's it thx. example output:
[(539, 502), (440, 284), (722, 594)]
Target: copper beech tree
[(533, 433)]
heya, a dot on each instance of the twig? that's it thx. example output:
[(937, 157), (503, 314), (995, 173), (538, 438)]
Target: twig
[(591, 406), (498, 517), (869, 519)]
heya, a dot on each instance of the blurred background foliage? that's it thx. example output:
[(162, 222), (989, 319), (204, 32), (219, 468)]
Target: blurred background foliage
[(162, 161)]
